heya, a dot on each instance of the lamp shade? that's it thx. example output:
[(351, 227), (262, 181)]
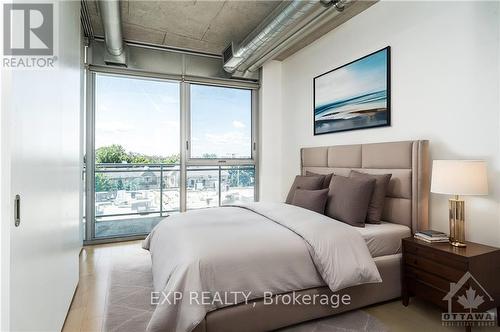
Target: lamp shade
[(459, 177)]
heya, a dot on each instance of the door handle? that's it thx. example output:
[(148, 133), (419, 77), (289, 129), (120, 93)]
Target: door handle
[(17, 210)]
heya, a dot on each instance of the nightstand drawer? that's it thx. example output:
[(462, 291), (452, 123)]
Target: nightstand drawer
[(427, 278), (435, 255), (434, 267), (427, 292)]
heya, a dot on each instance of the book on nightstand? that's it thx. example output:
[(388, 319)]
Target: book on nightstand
[(431, 236)]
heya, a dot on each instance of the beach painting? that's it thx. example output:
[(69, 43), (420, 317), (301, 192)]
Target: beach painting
[(354, 96)]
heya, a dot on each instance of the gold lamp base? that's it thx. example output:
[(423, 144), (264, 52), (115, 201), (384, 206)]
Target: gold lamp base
[(457, 244), (457, 221)]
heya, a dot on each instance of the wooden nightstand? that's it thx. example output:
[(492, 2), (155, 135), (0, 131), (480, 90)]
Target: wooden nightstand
[(429, 268)]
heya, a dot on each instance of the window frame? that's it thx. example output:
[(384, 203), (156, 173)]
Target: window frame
[(191, 161), (185, 138)]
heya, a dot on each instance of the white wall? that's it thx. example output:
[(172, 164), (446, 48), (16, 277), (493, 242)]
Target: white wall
[(445, 88), (270, 125)]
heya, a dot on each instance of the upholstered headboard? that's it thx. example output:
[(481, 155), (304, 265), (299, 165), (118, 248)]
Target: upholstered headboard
[(407, 200)]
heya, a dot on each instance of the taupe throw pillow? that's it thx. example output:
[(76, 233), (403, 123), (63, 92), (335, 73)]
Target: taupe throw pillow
[(314, 200), (326, 178), (349, 198), (376, 206), (304, 182)]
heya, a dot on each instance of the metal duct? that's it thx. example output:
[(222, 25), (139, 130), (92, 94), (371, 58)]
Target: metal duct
[(281, 28), (310, 26), (290, 15), (112, 25)]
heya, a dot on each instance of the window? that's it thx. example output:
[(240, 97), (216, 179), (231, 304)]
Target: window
[(221, 122), (135, 130), (137, 154), (220, 131), (212, 186), (238, 184)]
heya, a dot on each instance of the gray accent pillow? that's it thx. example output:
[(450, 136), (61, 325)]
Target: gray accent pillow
[(304, 182), (376, 206), (314, 200), (349, 198), (326, 178)]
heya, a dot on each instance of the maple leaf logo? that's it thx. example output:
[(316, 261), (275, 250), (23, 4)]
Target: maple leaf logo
[(470, 300)]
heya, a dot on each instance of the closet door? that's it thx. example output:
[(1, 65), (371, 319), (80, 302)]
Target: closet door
[(45, 177)]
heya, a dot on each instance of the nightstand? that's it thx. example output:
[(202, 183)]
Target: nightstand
[(429, 269)]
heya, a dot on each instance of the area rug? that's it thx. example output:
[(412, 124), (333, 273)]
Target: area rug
[(128, 307)]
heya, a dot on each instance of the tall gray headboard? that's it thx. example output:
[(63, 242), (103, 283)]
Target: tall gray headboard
[(407, 200)]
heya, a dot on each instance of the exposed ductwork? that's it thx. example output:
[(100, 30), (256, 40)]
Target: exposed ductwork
[(280, 28), (112, 25)]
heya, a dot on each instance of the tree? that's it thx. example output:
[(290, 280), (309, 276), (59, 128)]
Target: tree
[(172, 159), (241, 177), (113, 154), (102, 183), (116, 154)]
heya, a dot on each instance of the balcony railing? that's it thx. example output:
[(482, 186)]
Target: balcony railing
[(136, 189), (211, 186), (123, 190)]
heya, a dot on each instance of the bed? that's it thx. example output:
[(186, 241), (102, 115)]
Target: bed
[(285, 249)]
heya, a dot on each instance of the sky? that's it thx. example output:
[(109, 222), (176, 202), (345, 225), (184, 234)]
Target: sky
[(221, 121), (144, 117), (361, 77)]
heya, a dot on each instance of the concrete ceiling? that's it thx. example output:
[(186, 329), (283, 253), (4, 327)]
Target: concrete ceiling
[(205, 26)]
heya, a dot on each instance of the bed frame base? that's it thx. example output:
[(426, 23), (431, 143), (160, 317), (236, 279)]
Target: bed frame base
[(256, 316)]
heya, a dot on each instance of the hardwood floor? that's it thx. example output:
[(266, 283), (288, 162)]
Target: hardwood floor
[(87, 310)]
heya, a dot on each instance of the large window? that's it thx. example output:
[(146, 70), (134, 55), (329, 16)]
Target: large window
[(221, 122), (142, 172), (137, 154), (211, 186)]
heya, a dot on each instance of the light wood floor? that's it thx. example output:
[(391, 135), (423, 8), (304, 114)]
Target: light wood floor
[(87, 310)]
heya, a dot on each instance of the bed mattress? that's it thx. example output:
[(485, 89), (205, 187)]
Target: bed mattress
[(385, 238)]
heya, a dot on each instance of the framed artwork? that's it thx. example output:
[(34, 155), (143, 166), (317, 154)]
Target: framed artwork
[(356, 95)]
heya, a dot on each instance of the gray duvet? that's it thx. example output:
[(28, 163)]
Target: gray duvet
[(237, 253)]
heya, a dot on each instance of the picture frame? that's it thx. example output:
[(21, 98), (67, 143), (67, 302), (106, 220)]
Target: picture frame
[(356, 95)]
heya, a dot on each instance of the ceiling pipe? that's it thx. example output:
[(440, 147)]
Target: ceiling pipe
[(111, 22), (274, 26), (320, 19), (280, 31)]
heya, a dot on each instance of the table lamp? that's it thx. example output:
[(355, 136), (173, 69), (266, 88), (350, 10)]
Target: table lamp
[(458, 177)]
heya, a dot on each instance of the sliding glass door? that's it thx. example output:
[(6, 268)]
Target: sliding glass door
[(137, 154), (220, 133), (160, 147)]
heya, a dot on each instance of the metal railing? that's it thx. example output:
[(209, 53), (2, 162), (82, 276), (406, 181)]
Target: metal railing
[(150, 169), (150, 181), (219, 169)]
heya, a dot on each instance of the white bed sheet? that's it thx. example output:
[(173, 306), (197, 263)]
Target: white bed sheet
[(385, 238)]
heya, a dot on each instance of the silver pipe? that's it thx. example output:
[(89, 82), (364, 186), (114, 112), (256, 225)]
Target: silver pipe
[(111, 22), (316, 22), (291, 14), (166, 48), (296, 28)]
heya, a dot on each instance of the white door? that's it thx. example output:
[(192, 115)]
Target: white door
[(44, 113)]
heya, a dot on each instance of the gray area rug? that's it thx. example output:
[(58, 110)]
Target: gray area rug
[(128, 307)]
